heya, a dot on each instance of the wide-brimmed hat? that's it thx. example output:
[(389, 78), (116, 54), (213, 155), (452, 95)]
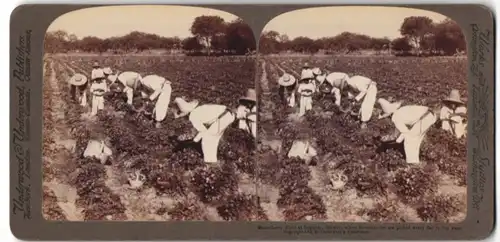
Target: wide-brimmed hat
[(387, 107), (78, 80), (251, 95), (454, 97), (185, 107), (306, 74), (316, 71), (96, 64), (286, 80), (107, 71)]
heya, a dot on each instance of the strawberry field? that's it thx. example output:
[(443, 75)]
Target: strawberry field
[(178, 185), (378, 185), (255, 180)]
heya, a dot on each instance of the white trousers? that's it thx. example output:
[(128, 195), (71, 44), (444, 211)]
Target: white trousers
[(211, 139), (83, 98), (130, 94), (161, 106), (305, 104), (336, 95), (368, 103), (414, 138), (97, 104), (291, 100)]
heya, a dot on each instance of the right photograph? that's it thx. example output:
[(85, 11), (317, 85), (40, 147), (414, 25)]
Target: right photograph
[(362, 116)]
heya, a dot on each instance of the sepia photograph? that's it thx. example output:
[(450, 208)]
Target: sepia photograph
[(362, 116), (149, 114)]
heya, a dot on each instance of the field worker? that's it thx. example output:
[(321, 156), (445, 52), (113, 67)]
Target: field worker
[(248, 108), (288, 86), (159, 90), (303, 147), (411, 123), (367, 93), (99, 149), (125, 82), (336, 82), (453, 115), (96, 70), (98, 88), (306, 89), (79, 83), (305, 68), (216, 117), (318, 77)]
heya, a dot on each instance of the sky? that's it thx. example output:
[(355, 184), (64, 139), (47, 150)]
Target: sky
[(109, 21), (320, 22)]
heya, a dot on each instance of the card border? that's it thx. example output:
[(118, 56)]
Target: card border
[(479, 223)]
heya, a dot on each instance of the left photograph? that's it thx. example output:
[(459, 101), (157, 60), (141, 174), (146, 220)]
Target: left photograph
[(149, 113)]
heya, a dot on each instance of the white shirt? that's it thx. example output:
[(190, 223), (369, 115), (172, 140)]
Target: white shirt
[(303, 150), (205, 114), (306, 89), (447, 113), (128, 78), (155, 84), (97, 149), (96, 73), (252, 116), (360, 84), (99, 89), (408, 115), (335, 78)]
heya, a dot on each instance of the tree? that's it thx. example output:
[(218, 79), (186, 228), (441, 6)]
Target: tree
[(239, 37), (92, 44), (206, 28), (448, 37), (415, 29), (304, 45), (269, 42), (56, 41), (191, 44), (401, 44), (380, 43)]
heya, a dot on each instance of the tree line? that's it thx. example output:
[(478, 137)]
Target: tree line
[(211, 35), (419, 35)]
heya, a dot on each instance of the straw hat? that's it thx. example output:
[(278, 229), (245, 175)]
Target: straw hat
[(185, 107), (107, 71), (387, 107), (96, 65), (454, 97), (316, 71), (251, 95), (306, 74), (78, 80), (286, 80)]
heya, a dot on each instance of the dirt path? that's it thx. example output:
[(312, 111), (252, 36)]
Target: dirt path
[(269, 193), (63, 144)]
